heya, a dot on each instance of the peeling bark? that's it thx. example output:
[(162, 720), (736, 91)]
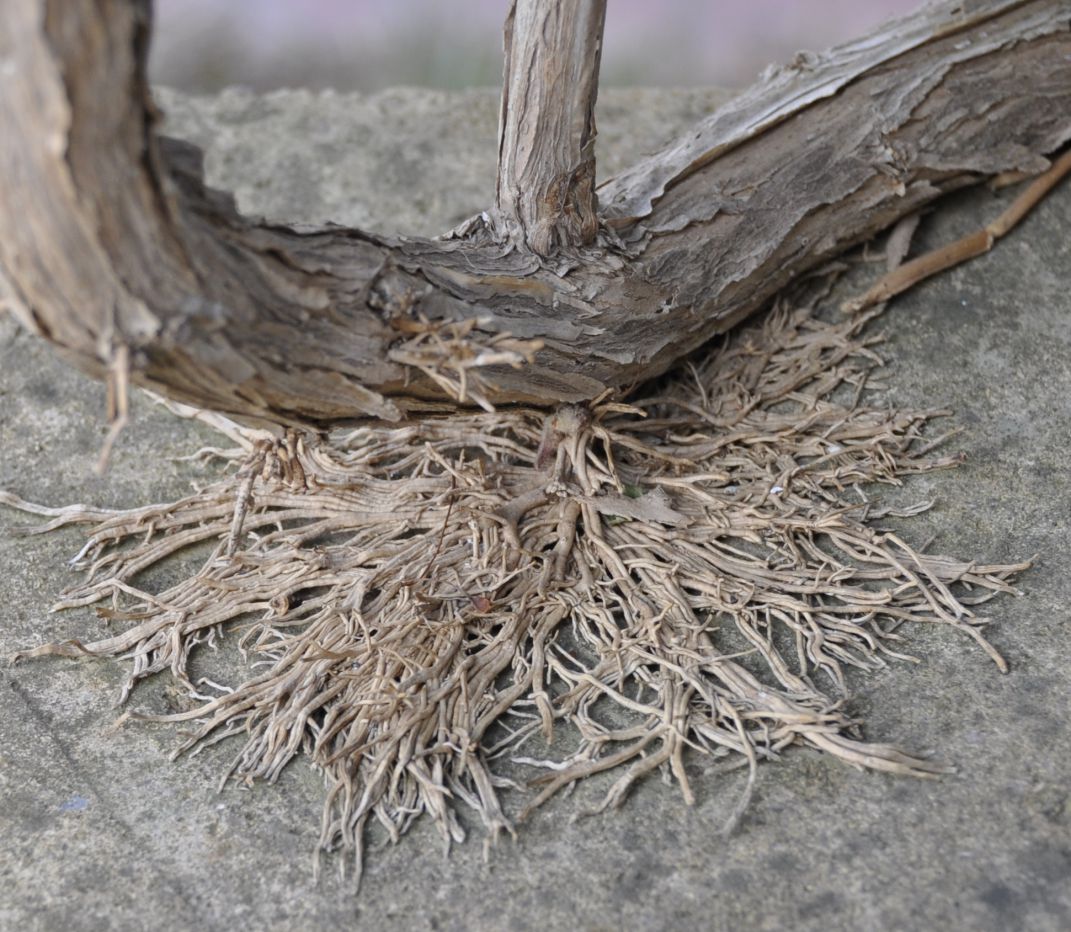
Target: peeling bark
[(110, 242), (545, 197)]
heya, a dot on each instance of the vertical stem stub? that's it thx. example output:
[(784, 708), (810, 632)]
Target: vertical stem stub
[(545, 197)]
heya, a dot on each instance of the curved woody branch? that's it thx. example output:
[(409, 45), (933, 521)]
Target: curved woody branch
[(110, 243)]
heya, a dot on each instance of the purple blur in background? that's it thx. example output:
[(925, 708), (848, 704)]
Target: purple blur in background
[(202, 45)]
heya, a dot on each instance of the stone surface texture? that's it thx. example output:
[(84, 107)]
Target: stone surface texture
[(99, 830)]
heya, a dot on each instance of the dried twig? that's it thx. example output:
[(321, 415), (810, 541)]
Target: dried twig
[(968, 247), (118, 384)]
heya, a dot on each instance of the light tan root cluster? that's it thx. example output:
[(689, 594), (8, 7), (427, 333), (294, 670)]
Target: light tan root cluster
[(425, 606)]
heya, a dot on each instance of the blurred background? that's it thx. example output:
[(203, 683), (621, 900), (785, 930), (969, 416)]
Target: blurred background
[(204, 45)]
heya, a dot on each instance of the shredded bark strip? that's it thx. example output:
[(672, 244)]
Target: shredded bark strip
[(424, 607)]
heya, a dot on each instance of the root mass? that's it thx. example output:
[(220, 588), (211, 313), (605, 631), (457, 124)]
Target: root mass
[(433, 609)]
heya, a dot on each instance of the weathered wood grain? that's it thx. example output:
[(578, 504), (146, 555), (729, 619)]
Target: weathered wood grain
[(108, 239), (545, 196)]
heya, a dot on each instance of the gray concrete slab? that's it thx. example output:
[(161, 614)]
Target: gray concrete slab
[(98, 829)]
